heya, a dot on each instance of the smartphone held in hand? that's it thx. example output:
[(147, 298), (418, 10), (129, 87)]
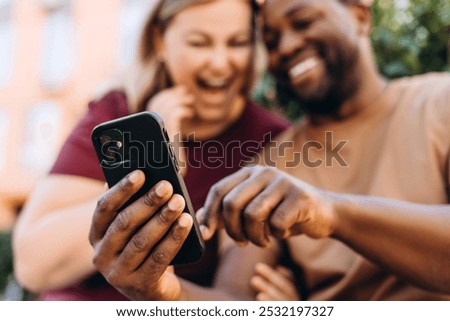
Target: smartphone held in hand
[(140, 141)]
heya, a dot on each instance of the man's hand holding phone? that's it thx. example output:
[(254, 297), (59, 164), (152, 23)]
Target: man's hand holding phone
[(133, 247)]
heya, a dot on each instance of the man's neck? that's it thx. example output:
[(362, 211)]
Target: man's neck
[(372, 86)]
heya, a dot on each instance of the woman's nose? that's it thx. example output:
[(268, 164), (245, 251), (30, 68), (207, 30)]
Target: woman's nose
[(220, 59)]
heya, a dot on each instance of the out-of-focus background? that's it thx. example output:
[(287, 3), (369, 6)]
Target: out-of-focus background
[(55, 53)]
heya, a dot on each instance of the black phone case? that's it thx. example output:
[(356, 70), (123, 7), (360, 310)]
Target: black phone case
[(140, 141)]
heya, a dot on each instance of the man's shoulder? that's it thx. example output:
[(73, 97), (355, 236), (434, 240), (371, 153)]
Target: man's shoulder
[(425, 99), (430, 91), (432, 83)]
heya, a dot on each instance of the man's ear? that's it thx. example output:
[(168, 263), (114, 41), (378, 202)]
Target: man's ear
[(363, 17)]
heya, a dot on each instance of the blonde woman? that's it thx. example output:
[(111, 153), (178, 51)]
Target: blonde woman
[(195, 67)]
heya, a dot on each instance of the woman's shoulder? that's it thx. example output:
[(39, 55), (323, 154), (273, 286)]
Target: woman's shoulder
[(112, 104)]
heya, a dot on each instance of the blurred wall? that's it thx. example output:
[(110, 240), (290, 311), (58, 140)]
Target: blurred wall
[(53, 53)]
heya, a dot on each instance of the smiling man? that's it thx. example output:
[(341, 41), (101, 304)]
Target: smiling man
[(321, 51), (375, 228)]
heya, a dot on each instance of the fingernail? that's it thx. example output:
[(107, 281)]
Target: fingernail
[(241, 243), (205, 231), (259, 266), (134, 177), (174, 204), (161, 189), (185, 220)]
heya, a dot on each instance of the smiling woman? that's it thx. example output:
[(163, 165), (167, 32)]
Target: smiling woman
[(219, 55)]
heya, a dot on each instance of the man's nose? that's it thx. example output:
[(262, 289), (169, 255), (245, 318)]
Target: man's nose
[(290, 42)]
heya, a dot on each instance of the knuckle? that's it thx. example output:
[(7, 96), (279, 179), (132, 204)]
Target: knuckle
[(139, 242), (150, 200), (256, 207), (229, 205), (178, 235), (250, 214), (217, 190), (114, 278), (278, 222), (164, 217), (268, 172), (283, 182), (232, 233), (96, 260), (122, 221), (103, 204), (160, 257)]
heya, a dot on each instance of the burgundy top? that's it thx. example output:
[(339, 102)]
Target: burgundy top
[(208, 162)]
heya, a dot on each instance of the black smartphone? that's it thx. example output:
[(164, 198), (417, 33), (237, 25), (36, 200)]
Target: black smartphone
[(140, 141)]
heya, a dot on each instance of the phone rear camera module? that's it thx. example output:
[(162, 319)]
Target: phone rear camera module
[(111, 142)]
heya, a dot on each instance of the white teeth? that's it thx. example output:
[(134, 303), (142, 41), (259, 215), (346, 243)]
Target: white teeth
[(216, 83), (303, 67)]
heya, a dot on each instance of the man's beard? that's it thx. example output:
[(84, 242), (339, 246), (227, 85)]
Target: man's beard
[(339, 84)]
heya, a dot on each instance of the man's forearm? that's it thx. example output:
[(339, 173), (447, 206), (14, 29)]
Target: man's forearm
[(411, 240)]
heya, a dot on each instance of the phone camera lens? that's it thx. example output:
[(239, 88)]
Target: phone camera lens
[(104, 139)]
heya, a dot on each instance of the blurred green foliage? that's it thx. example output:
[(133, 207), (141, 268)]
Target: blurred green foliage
[(5, 259), (409, 37)]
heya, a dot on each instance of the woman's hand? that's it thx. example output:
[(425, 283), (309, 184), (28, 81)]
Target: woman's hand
[(174, 105), (274, 284), (134, 246)]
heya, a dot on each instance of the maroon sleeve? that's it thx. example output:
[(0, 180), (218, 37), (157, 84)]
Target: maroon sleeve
[(77, 156)]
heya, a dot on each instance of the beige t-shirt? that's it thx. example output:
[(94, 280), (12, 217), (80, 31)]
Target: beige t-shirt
[(399, 148)]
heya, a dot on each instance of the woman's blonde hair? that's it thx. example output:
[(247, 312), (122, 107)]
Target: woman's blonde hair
[(148, 74)]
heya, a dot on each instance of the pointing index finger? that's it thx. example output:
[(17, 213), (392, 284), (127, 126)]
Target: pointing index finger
[(211, 215)]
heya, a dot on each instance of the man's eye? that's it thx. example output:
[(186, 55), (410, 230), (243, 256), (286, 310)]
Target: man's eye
[(271, 41)]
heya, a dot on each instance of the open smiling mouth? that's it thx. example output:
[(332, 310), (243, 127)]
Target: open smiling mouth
[(214, 85)]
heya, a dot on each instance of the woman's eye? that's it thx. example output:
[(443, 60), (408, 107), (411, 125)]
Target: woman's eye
[(197, 43), (240, 43), (301, 24)]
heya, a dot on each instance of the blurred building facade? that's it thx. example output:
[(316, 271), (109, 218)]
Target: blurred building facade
[(53, 54)]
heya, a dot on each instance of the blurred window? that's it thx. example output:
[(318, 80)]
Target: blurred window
[(132, 17), (40, 136), (3, 136), (59, 46), (7, 41)]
